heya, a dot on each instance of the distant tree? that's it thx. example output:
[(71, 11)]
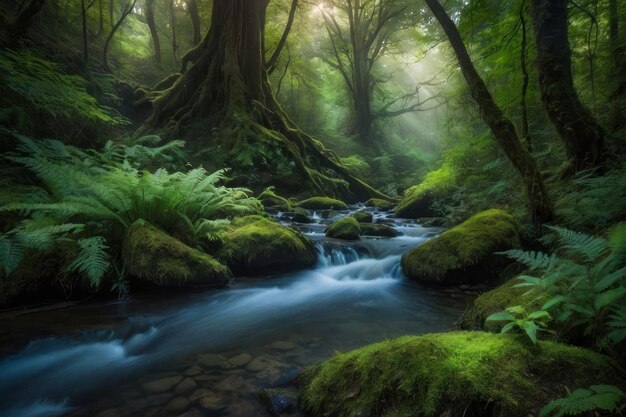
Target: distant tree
[(360, 34), (582, 135), (503, 130)]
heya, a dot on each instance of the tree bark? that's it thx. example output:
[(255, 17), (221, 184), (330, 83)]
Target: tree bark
[(226, 87), (618, 97), (24, 18), (173, 25), (156, 43), (192, 7), (503, 130), (582, 135)]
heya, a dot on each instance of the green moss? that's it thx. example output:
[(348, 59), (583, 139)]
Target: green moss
[(270, 199), (363, 216), (347, 228), (152, 255), (379, 203), (322, 203), (448, 374), (381, 230), (464, 253), (418, 199), (492, 302), (254, 242)]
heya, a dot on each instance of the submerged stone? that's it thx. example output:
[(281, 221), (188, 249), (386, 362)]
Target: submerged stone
[(465, 253)]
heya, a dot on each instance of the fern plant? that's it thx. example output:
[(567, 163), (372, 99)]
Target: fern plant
[(598, 398), (91, 198), (518, 318), (582, 284)]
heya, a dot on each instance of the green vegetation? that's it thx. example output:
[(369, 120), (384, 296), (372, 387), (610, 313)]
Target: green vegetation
[(448, 374), (89, 199), (581, 285), (464, 253)]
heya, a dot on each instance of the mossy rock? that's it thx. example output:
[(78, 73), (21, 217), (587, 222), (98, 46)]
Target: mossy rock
[(256, 245), (416, 203), (363, 217), (379, 204), (270, 199), (381, 230), (322, 203), (347, 229), (449, 374), (491, 302), (152, 255), (465, 253)]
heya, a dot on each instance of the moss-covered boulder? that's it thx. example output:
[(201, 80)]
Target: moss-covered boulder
[(491, 302), (465, 253), (416, 203), (347, 228), (270, 199), (257, 245), (379, 204), (363, 216), (322, 203), (380, 230), (449, 374), (153, 256)]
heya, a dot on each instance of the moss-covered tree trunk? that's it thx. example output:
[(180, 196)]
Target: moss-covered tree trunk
[(503, 130), (156, 43), (225, 90), (618, 47), (582, 136)]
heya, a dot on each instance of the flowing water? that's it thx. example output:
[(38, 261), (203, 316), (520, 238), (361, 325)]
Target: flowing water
[(206, 354)]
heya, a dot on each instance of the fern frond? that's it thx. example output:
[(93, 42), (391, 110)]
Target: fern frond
[(11, 254), (92, 259)]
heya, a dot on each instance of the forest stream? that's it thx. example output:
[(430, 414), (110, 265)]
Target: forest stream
[(210, 352)]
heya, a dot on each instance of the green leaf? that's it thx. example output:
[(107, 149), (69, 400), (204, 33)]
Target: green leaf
[(500, 316), (531, 330), (553, 302), (539, 314), (609, 297), (508, 327)]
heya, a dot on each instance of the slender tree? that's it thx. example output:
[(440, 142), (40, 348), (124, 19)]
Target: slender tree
[(582, 135), (226, 87), (156, 43), (503, 130), (128, 8), (173, 26), (618, 119), (271, 64)]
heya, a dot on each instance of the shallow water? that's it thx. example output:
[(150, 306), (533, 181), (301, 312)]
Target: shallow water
[(208, 353)]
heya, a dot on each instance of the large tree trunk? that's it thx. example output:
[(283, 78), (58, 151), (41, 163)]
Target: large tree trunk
[(583, 137), (540, 205), (192, 7), (156, 43), (226, 88)]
